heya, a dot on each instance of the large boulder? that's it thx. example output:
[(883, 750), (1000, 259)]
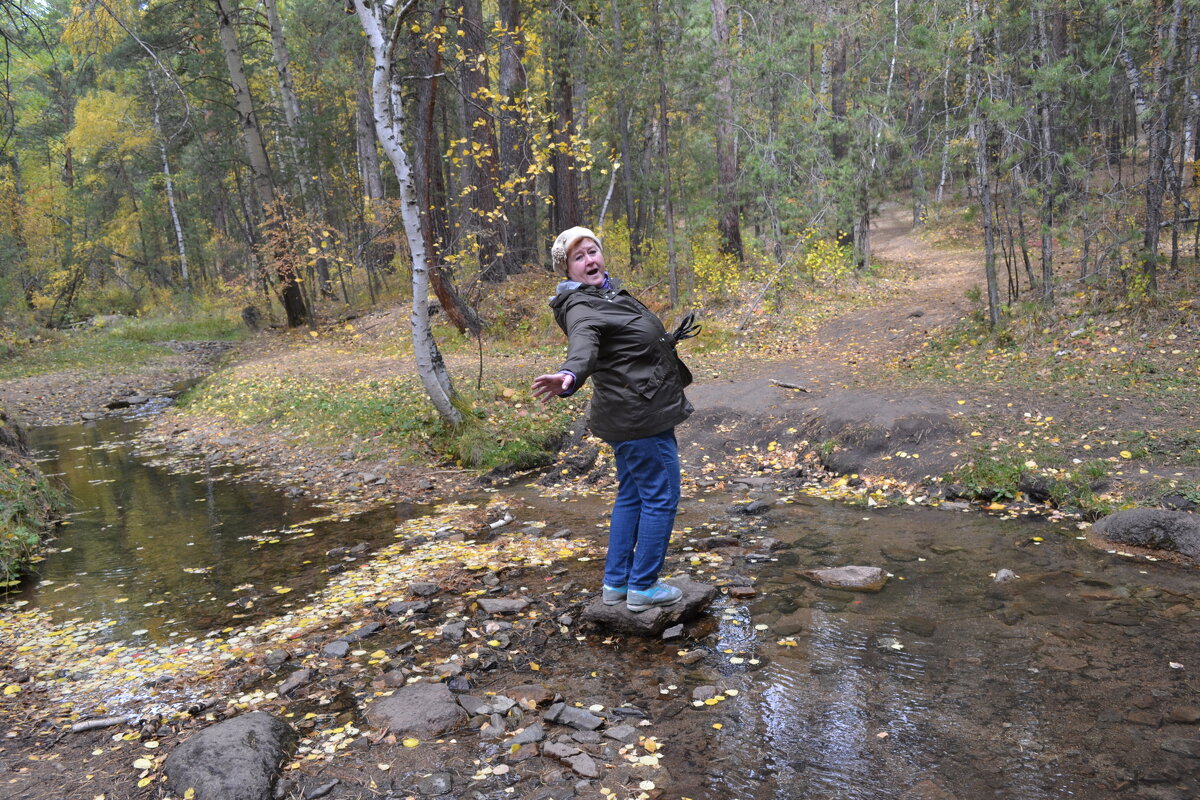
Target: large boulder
[(426, 708), (1154, 529), (696, 597), (237, 759)]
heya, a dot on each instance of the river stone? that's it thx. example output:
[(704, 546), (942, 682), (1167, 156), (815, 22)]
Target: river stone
[(860, 579), (502, 605), (417, 708), (1182, 747), (399, 608), (474, 705), (336, 649), (438, 783), (560, 750), (583, 765), (530, 695), (577, 718), (535, 732), (454, 631), (652, 622), (294, 681), (368, 630), (1188, 715), (1153, 528), (237, 759)]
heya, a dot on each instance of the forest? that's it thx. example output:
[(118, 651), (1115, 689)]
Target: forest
[(235, 154)]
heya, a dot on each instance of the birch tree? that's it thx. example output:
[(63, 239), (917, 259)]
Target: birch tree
[(381, 22)]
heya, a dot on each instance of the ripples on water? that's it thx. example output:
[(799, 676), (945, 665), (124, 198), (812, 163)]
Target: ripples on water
[(942, 685)]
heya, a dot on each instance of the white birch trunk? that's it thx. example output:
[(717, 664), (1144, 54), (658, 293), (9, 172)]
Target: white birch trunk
[(389, 127), (170, 187)]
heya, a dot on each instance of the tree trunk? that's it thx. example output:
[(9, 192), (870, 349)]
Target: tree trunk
[(514, 136), (487, 218), (664, 133), (564, 182), (628, 180), (288, 98), (260, 167), (983, 168), (728, 209), (297, 142), (389, 126), (1049, 165), (169, 187), (377, 250)]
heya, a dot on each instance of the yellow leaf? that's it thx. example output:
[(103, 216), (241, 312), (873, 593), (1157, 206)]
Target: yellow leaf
[(1126, 454), (144, 782), (190, 794), (143, 763), (718, 725), (534, 667), (312, 251), (12, 688), (411, 742)]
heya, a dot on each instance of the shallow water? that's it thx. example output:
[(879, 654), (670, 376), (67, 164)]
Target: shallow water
[(1062, 683), (169, 553), (1076, 680)]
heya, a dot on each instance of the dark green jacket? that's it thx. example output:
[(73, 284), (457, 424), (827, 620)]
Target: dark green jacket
[(622, 346)]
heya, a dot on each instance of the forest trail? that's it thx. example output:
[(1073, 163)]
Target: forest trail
[(842, 365)]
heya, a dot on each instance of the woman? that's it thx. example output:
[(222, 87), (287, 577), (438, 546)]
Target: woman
[(637, 401)]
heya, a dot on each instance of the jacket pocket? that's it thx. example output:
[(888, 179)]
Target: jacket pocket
[(648, 386)]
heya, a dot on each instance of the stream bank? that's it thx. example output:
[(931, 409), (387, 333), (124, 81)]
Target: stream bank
[(1001, 659)]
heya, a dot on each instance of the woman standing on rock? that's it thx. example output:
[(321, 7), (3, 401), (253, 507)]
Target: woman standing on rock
[(637, 401)]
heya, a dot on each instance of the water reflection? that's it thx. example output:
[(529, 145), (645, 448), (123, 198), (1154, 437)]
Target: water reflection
[(944, 684), (160, 553)]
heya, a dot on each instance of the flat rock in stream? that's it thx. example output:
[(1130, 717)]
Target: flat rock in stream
[(417, 708), (696, 597), (237, 759), (502, 605), (1153, 528), (854, 578)]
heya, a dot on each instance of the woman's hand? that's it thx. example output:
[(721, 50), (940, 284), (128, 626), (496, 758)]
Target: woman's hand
[(547, 386)]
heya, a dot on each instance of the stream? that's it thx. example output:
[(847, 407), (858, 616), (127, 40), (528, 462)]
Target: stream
[(1074, 680)]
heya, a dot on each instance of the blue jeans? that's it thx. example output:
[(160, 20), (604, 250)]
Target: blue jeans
[(644, 511)]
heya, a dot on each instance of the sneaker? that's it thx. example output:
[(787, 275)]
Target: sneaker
[(613, 594), (660, 594)]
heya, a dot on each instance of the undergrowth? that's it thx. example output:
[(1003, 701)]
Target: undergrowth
[(27, 506)]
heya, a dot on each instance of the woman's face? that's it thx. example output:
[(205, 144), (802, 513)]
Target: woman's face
[(585, 263)]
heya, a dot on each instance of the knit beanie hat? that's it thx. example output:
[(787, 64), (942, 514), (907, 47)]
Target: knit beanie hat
[(565, 241)]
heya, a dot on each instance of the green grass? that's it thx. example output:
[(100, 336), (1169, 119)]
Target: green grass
[(127, 343), (998, 475), (394, 413)]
